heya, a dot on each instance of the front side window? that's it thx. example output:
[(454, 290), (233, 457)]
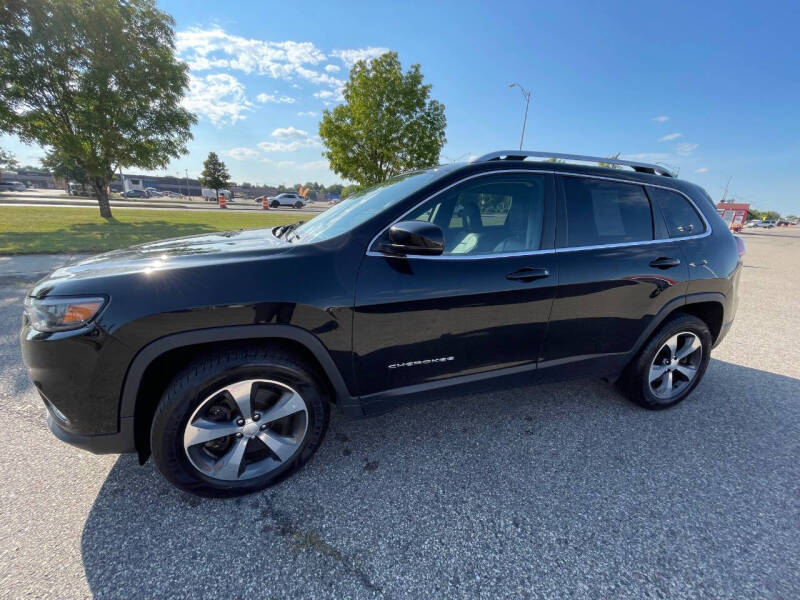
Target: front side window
[(681, 217), (494, 214), (605, 212)]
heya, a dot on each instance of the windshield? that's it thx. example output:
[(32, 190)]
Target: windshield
[(363, 205)]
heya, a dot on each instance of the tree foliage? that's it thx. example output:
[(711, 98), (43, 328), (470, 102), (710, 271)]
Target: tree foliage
[(215, 174), (7, 160), (388, 123), (95, 81), (65, 167)]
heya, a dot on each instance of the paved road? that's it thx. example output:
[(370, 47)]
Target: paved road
[(562, 490), (56, 198)]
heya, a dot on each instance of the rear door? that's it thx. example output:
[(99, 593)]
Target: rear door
[(617, 269), (482, 305)]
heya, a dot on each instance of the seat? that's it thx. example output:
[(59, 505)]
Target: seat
[(524, 222), (472, 229)]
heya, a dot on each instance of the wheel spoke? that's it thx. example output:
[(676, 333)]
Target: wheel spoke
[(657, 371), (687, 371), (229, 465), (203, 430), (667, 385), (281, 445), (289, 404), (672, 344), (242, 394), (689, 348)]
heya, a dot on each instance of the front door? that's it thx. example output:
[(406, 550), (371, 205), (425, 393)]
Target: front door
[(482, 305)]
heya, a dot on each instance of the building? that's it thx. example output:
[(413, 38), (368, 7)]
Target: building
[(35, 179), (733, 213)]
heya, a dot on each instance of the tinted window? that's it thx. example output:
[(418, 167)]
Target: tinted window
[(681, 217), (490, 215), (606, 212)]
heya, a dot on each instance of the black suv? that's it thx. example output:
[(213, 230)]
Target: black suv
[(221, 354)]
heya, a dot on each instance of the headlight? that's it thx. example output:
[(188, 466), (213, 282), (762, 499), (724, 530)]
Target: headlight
[(61, 314)]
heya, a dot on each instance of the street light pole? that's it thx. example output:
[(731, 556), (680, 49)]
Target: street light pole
[(187, 184), (527, 95)]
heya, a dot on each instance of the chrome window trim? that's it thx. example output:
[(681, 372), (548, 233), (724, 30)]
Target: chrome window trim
[(706, 233)]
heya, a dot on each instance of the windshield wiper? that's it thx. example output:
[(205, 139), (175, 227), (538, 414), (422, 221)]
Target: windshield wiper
[(285, 230)]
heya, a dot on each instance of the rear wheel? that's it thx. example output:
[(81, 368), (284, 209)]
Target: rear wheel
[(670, 365), (298, 204), (235, 422)]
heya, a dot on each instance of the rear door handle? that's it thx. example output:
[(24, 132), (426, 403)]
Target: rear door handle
[(528, 274), (665, 262)]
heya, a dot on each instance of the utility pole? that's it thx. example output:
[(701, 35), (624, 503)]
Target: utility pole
[(527, 95), (725, 193), (187, 183)]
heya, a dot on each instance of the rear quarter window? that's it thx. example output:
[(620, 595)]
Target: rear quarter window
[(681, 217)]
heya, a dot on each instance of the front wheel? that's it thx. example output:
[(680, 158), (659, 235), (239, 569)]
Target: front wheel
[(670, 365), (235, 422), (274, 204)]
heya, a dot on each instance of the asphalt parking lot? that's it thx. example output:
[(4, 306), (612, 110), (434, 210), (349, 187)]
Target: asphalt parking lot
[(562, 490)]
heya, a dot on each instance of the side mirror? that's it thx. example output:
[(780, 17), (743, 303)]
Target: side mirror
[(418, 238)]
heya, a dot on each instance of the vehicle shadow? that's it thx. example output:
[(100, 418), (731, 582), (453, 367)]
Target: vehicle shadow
[(523, 490)]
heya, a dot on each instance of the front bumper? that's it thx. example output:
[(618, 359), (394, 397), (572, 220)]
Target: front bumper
[(105, 443)]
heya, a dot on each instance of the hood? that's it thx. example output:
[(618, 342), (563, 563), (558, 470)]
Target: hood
[(195, 250)]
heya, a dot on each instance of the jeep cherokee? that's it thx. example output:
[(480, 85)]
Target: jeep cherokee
[(221, 354)]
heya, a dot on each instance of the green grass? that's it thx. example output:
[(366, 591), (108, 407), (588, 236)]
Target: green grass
[(48, 230)]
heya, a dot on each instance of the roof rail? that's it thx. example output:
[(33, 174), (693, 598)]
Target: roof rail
[(523, 154)]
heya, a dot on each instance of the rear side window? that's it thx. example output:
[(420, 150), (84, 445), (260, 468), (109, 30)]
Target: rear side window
[(681, 217), (606, 212)]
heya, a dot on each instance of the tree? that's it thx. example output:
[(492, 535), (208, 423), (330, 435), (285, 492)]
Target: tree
[(7, 160), (65, 167), (96, 82), (336, 188), (387, 125), (215, 174)]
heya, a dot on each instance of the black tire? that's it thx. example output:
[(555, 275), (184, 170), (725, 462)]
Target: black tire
[(298, 205), (275, 204), (635, 383), (202, 377)]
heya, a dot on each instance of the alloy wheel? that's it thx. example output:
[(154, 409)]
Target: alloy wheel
[(675, 365), (246, 429)]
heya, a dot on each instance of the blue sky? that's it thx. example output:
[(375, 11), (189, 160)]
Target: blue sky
[(712, 88)]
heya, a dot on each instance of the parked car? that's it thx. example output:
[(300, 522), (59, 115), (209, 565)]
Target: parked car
[(12, 186), (767, 224), (153, 192), (136, 194), (287, 199), (221, 355)]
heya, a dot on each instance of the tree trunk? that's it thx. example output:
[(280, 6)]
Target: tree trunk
[(101, 189)]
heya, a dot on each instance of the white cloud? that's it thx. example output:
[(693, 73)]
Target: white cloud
[(275, 99), (350, 56), (218, 97), (204, 49), (671, 136), (702, 170), (661, 119), (685, 148), (307, 113), (289, 139), (243, 153), (337, 95), (289, 133)]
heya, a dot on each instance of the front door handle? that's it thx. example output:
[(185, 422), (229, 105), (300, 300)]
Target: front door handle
[(665, 262), (528, 274)]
